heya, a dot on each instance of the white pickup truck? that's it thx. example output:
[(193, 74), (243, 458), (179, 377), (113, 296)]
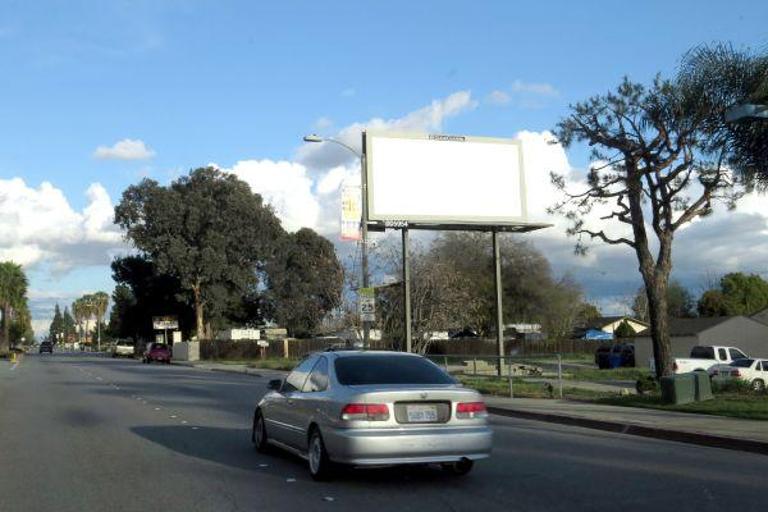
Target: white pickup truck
[(706, 356)]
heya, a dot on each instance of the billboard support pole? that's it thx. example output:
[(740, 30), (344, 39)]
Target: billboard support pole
[(364, 238), (407, 292), (499, 309)]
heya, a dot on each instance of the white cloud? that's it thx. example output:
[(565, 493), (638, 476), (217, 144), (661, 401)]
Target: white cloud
[(40, 226), (427, 119), (323, 123), (126, 149), (541, 89), (528, 95), (498, 98), (284, 185), (726, 241)]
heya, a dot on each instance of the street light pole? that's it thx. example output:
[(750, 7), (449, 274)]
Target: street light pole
[(363, 221)]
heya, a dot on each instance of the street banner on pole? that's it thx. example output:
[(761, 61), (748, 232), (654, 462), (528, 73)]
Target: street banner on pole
[(351, 212), (367, 304)]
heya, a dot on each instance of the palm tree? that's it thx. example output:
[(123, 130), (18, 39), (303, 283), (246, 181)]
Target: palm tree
[(80, 314), (13, 296), (100, 301), (723, 78)]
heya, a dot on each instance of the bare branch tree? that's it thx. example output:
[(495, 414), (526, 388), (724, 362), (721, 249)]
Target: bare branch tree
[(656, 171)]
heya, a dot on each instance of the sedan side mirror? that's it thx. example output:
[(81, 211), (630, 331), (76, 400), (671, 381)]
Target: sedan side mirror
[(275, 384)]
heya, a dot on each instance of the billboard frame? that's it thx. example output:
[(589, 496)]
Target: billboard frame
[(380, 222)]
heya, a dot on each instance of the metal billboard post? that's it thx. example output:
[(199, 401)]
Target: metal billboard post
[(499, 309), (407, 292), (364, 236)]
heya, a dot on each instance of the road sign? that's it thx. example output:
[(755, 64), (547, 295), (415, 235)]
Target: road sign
[(367, 304), (262, 343), (162, 323)]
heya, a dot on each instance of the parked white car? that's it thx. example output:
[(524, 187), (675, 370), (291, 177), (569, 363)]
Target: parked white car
[(754, 371), (124, 349), (704, 357)]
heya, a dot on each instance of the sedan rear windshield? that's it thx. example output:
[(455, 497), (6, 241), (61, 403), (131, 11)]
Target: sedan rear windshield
[(743, 363), (366, 370)]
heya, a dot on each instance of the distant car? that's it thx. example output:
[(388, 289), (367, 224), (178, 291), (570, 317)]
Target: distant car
[(754, 371), (46, 346), (158, 352), (124, 349), (615, 356), (372, 409)]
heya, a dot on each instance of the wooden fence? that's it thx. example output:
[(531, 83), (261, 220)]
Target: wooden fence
[(296, 348)]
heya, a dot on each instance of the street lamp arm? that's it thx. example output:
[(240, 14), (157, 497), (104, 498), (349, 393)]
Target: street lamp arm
[(317, 138)]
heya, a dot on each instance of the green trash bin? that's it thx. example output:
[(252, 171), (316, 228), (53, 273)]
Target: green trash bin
[(703, 386), (678, 389)]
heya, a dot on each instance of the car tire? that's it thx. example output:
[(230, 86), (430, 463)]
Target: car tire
[(459, 468), (259, 436), (758, 386), (320, 466)]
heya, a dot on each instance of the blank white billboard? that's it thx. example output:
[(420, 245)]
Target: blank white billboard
[(438, 179)]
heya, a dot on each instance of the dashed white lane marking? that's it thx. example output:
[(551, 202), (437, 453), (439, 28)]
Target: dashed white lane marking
[(157, 408), (183, 422), (290, 480), (328, 498), (173, 416)]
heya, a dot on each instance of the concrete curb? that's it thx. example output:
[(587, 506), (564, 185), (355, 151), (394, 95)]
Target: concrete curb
[(715, 441), (251, 372)]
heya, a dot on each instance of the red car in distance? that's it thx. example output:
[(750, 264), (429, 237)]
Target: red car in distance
[(158, 352)]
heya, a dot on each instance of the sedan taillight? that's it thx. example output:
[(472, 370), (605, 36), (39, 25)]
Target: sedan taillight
[(365, 412), (466, 410)]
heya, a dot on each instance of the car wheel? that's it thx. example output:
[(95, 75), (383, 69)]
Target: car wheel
[(459, 468), (320, 466), (259, 433), (758, 385)]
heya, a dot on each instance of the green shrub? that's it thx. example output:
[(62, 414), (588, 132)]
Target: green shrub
[(647, 384), (732, 386)]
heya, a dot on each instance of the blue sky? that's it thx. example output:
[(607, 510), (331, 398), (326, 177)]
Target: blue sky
[(228, 82)]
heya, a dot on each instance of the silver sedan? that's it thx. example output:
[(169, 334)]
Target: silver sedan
[(371, 409)]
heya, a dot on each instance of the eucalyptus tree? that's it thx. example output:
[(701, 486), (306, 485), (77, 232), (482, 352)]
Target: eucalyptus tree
[(207, 229), (305, 281), (13, 297)]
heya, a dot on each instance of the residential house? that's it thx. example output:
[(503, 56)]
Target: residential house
[(602, 328), (742, 332), (761, 316)]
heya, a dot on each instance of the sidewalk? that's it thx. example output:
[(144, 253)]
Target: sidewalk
[(702, 429)]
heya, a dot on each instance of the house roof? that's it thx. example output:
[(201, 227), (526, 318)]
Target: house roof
[(761, 316), (602, 321), (690, 326)]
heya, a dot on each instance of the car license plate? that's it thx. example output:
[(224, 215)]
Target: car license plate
[(421, 413)]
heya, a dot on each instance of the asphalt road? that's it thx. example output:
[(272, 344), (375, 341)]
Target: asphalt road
[(86, 433)]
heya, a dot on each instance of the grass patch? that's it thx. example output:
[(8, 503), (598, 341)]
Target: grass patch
[(274, 364), (523, 389), (747, 406), (597, 375)]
